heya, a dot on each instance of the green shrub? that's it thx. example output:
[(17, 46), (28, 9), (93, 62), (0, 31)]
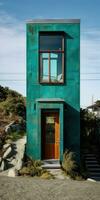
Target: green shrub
[(11, 102)]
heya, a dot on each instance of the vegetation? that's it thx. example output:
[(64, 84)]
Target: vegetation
[(71, 168), (68, 163), (89, 126), (13, 136), (12, 103), (12, 110), (34, 168)]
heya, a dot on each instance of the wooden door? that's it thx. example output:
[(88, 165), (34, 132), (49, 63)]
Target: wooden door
[(50, 135)]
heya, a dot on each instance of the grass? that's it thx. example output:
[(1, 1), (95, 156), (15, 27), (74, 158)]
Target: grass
[(47, 175), (68, 163), (70, 166), (33, 168)]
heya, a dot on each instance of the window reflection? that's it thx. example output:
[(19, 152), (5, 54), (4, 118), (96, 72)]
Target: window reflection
[(50, 130), (54, 61), (51, 42), (51, 58)]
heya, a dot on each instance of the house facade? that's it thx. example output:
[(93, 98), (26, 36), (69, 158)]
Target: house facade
[(53, 88)]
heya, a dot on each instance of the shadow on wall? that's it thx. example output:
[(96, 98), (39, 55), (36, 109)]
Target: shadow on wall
[(72, 130)]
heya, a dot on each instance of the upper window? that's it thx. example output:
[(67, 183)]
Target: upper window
[(51, 51)]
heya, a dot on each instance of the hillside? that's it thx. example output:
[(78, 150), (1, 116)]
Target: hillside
[(12, 108)]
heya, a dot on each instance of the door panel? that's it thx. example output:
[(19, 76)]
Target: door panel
[(50, 133), (57, 138)]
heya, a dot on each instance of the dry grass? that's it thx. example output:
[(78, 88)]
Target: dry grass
[(68, 163), (70, 166), (33, 168), (47, 175)]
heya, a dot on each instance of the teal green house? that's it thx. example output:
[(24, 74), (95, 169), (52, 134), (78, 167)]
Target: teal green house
[(53, 88)]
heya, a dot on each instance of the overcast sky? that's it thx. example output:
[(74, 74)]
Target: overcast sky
[(14, 13)]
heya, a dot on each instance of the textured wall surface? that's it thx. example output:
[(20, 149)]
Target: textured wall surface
[(69, 91)]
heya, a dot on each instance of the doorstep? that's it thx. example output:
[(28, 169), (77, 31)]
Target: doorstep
[(51, 164)]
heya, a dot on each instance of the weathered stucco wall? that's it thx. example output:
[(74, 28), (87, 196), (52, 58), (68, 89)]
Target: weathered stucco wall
[(69, 91)]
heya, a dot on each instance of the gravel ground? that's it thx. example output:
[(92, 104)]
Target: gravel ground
[(25, 188)]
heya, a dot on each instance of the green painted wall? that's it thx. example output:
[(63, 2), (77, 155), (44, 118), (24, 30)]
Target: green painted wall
[(69, 91)]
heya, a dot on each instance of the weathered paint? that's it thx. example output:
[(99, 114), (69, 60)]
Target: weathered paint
[(69, 91)]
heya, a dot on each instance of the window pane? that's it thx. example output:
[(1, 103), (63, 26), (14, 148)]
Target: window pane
[(50, 130), (45, 64), (54, 61), (59, 67), (51, 42), (53, 55), (53, 69), (56, 67), (45, 55)]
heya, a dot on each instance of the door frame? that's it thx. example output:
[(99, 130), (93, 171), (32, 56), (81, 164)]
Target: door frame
[(43, 139), (50, 105)]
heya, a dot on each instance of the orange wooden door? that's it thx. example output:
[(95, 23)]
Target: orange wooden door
[(51, 136)]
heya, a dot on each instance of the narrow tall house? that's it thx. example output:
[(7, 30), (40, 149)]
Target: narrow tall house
[(53, 88)]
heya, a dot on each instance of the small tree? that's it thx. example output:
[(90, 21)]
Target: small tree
[(88, 127)]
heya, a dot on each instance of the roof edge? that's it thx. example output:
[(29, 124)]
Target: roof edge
[(44, 21)]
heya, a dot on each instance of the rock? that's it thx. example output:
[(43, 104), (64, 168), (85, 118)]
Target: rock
[(8, 127), (2, 166), (90, 179), (12, 172), (7, 152), (13, 157), (4, 173), (5, 146), (15, 127), (0, 159), (8, 141), (0, 143), (20, 144)]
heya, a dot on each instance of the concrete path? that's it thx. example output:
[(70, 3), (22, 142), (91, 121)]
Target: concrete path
[(25, 188)]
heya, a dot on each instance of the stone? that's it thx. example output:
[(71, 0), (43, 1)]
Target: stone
[(0, 142), (5, 146), (12, 172), (0, 159), (9, 172), (2, 166), (20, 144), (8, 127), (7, 152), (90, 179), (14, 127), (4, 173), (13, 157)]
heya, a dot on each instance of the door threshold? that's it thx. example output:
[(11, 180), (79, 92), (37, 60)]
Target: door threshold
[(51, 164)]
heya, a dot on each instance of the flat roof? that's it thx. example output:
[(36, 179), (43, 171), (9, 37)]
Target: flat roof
[(42, 21)]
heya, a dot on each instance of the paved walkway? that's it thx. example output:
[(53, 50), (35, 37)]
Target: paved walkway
[(25, 188)]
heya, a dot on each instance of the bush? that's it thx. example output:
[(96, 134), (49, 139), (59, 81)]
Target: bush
[(11, 102), (47, 175), (34, 168), (68, 163), (71, 168)]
